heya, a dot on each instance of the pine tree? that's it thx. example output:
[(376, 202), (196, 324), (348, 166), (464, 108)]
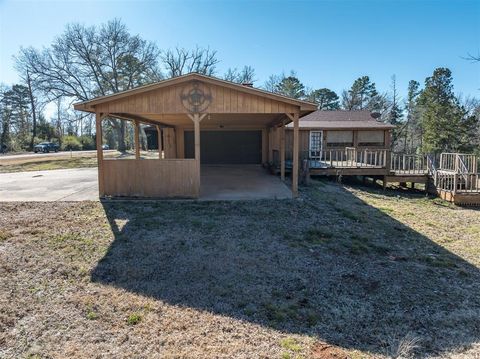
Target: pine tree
[(395, 114), (291, 86), (412, 133), (362, 95), (326, 99), (446, 126)]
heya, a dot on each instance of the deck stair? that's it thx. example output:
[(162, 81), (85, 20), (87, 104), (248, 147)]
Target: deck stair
[(457, 179)]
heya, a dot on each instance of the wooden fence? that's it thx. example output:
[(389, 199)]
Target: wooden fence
[(151, 178)]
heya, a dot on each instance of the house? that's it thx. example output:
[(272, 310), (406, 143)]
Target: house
[(200, 121), (326, 130), (333, 140)]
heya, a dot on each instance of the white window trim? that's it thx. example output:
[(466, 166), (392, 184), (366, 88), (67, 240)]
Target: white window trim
[(315, 153)]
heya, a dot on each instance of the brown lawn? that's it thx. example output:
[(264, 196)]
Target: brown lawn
[(342, 272)]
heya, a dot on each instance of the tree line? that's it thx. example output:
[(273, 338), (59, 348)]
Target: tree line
[(86, 62)]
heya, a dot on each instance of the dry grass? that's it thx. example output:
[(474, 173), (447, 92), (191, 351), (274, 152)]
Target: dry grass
[(49, 164), (62, 161), (342, 272)]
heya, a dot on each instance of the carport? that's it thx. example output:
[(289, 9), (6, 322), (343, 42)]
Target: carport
[(200, 121)]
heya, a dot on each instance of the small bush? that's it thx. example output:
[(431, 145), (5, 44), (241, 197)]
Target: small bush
[(71, 143), (87, 142)]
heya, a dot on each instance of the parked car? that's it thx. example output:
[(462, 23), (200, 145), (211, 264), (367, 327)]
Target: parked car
[(46, 147), (105, 147)]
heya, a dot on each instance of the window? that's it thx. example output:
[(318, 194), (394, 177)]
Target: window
[(337, 138), (371, 138), (316, 138)]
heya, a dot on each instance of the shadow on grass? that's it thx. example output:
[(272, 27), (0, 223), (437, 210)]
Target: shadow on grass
[(328, 265)]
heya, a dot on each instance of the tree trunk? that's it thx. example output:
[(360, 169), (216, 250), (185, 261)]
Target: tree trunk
[(34, 113)]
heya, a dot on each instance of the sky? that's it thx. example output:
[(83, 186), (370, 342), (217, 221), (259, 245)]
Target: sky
[(327, 43)]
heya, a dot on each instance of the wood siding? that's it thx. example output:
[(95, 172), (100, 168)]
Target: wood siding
[(168, 101), (151, 178), (305, 140)]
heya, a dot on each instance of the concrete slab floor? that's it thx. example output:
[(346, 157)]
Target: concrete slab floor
[(240, 182), (78, 184), (218, 182)]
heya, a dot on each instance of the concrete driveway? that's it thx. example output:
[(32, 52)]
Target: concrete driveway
[(222, 182), (78, 184)]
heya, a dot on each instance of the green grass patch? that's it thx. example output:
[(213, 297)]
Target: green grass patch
[(291, 344), (134, 319)]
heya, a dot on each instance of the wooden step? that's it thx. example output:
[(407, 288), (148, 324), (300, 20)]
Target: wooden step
[(461, 198)]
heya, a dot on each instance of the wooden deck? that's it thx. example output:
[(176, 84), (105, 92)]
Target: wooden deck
[(455, 178)]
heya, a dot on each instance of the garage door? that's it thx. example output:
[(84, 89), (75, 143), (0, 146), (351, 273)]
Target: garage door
[(226, 147)]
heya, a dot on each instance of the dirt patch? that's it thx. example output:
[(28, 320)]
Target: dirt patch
[(327, 351)]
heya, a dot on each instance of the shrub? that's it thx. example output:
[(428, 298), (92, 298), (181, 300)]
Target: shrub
[(71, 143), (87, 142)]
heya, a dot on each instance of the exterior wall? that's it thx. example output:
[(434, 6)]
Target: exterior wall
[(365, 135), (168, 100), (151, 178)]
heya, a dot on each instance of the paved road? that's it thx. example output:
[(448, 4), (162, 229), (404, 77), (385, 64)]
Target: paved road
[(78, 184)]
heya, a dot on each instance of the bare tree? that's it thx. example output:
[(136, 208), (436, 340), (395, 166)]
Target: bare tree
[(180, 61), (245, 76), (85, 62)]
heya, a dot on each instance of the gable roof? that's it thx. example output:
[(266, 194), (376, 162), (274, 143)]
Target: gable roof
[(341, 119), (305, 106)]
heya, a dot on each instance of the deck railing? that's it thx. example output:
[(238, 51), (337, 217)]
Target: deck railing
[(408, 164), (349, 157), (457, 173), (458, 162)]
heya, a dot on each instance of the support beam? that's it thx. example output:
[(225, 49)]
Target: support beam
[(137, 140), (294, 117), (282, 151), (99, 140), (159, 141), (197, 118)]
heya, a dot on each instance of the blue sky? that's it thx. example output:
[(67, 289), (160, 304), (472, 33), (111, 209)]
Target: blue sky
[(328, 43)]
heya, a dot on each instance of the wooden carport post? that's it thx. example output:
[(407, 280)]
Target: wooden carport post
[(282, 151), (294, 117), (159, 141), (99, 140), (196, 118), (137, 140)]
